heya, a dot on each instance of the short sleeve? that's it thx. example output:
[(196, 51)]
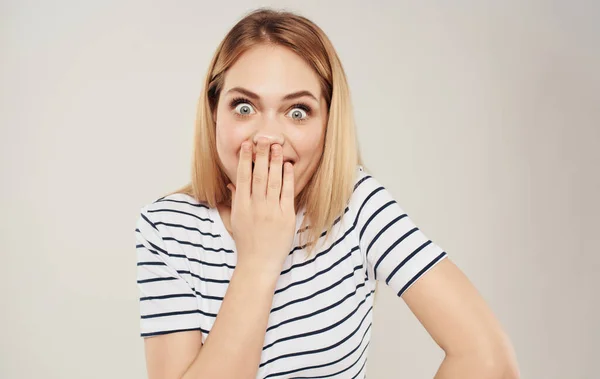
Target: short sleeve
[(396, 251), (167, 301)]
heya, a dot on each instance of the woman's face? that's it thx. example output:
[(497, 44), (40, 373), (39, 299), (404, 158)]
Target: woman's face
[(271, 92)]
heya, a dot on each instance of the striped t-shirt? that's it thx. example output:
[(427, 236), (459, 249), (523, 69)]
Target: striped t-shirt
[(322, 310)]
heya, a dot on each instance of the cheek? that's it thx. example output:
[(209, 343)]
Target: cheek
[(228, 142), (310, 146), (229, 137)]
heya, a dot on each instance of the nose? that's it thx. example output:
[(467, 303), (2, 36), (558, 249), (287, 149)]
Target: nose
[(271, 131), (272, 137)]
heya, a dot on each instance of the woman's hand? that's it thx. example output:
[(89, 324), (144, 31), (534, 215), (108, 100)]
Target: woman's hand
[(263, 219)]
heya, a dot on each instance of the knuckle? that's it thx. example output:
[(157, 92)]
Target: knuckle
[(263, 148), (244, 176), (259, 178)]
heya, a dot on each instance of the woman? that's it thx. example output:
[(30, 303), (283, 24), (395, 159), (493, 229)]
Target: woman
[(279, 193)]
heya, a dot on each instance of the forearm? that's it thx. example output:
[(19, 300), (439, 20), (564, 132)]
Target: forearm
[(234, 346), (473, 366)]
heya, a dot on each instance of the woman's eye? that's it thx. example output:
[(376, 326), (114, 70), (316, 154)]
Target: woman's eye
[(244, 109), (298, 114)]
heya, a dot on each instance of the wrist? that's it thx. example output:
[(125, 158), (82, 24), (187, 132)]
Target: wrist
[(258, 273)]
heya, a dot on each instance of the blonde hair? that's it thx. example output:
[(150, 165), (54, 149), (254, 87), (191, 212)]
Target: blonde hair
[(323, 202)]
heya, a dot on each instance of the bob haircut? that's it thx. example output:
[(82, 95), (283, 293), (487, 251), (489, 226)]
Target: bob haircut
[(326, 194)]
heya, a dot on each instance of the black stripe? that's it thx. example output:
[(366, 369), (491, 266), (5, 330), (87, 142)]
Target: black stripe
[(340, 217), (385, 253), (337, 303), (373, 193), (364, 350), (198, 245), (332, 363), (322, 330), (364, 363), (405, 260), (155, 280), (380, 233), (178, 313), (362, 231), (319, 272), (325, 231), (198, 205), (162, 297), (219, 298), (224, 281), (148, 221), (319, 254), (361, 181), (151, 264), (157, 253), (306, 352), (184, 257), (180, 212), (318, 292), (172, 331), (211, 264), (188, 228), (401, 292), (158, 248)]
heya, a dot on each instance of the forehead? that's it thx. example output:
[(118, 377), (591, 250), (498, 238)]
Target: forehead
[(269, 69)]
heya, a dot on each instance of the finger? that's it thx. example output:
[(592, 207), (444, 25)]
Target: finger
[(231, 188), (275, 169), (244, 170), (287, 189), (261, 169)]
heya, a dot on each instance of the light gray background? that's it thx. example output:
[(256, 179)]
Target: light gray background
[(482, 118)]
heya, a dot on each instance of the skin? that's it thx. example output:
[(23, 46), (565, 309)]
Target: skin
[(444, 300), (271, 73)]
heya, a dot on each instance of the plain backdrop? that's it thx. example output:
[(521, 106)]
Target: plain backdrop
[(481, 117)]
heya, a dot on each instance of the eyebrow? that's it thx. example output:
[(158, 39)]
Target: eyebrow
[(293, 95)]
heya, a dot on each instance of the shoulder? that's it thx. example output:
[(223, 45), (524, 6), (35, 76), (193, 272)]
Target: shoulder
[(362, 176), (367, 190), (179, 226), (372, 205), (172, 213), (172, 205)]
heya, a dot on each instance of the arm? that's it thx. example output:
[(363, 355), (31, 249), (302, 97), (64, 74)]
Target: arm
[(234, 345), (459, 321), (438, 293), (263, 222)]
